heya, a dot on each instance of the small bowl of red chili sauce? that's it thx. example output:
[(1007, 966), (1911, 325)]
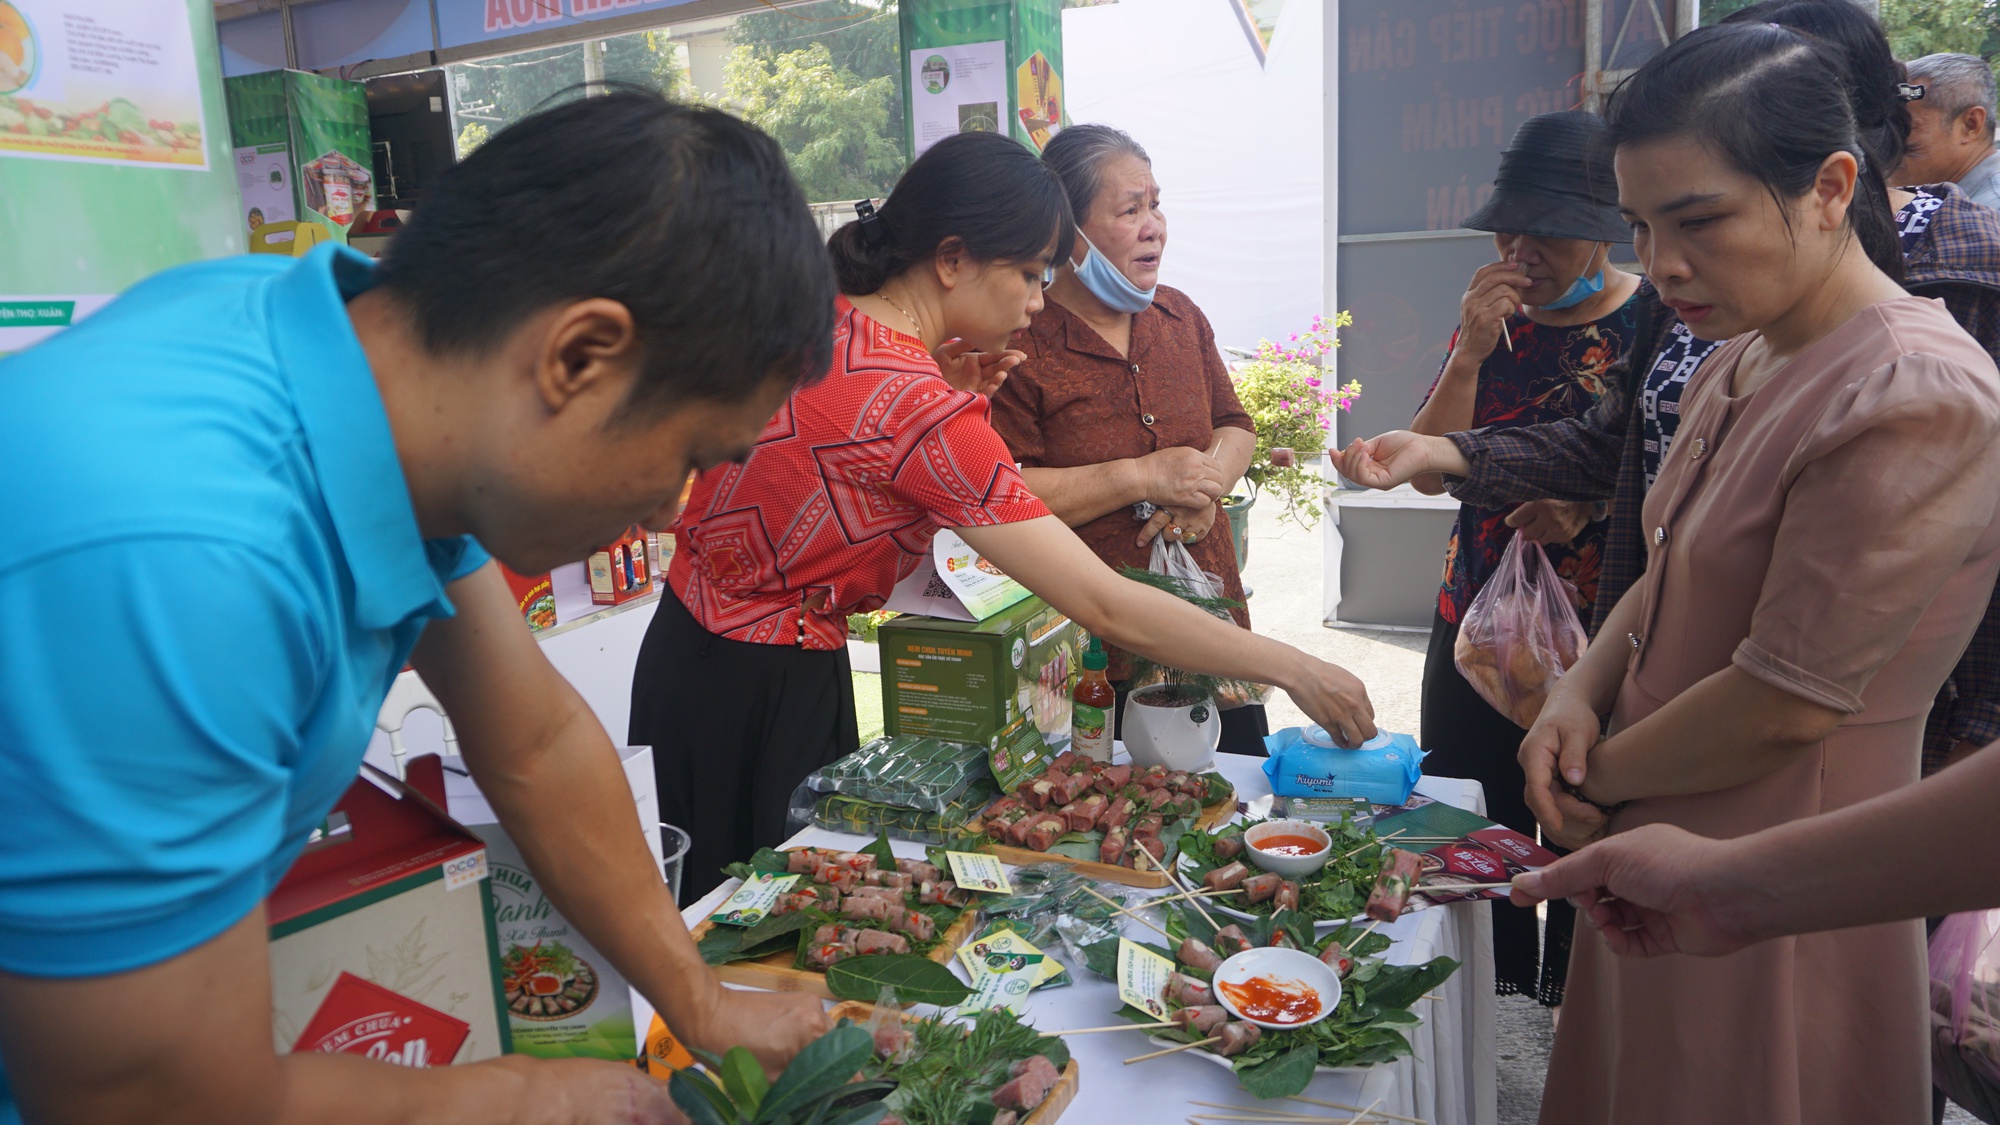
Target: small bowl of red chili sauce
[(1276, 988), (1292, 848)]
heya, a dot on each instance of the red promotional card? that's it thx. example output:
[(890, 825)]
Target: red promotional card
[(1521, 852), (360, 1018)]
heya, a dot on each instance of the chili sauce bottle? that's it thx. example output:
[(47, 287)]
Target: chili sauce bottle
[(1090, 720)]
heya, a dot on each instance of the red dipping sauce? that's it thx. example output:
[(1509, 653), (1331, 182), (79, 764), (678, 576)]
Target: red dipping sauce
[(1288, 845), (1272, 1001)]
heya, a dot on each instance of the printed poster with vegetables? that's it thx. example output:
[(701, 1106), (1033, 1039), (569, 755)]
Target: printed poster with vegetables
[(103, 81)]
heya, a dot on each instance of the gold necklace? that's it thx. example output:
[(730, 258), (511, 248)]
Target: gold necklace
[(914, 323)]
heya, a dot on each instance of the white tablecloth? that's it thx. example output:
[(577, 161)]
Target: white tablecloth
[(1449, 1080)]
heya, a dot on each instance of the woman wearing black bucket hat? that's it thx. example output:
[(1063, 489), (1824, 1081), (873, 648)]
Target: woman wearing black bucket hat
[(1537, 330)]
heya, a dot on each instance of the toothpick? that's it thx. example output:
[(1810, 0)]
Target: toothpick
[(1379, 840), (1287, 1119), (1350, 1108), (1505, 338), (1172, 1050), (1113, 1027), (1184, 895), (1356, 1119), (1113, 903)]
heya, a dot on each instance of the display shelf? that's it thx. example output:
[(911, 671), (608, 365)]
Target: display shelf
[(598, 614)]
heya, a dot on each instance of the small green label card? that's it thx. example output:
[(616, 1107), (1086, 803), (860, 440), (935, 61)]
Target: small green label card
[(1142, 977), (753, 901), (973, 871), (1005, 990), (1004, 951)]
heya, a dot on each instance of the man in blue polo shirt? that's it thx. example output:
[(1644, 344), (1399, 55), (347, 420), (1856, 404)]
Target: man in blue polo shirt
[(237, 499)]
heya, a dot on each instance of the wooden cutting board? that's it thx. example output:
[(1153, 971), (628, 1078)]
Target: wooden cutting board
[(1211, 816), (1060, 1094)]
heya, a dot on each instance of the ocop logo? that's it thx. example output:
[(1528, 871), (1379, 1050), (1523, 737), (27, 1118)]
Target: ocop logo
[(465, 870)]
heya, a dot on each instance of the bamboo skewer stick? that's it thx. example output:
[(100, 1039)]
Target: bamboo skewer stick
[(1210, 1041), (1129, 914), (1175, 878), (1459, 888), (1351, 1108), (1113, 1027), (1289, 1119), (1356, 1119), (1261, 1114)]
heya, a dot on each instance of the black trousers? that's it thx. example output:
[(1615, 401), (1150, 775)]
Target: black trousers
[(1466, 737), (734, 727), (1243, 728)]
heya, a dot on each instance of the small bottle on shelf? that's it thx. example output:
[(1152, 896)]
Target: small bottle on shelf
[(1091, 718)]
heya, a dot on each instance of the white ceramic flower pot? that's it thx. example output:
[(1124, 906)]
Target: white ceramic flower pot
[(1161, 732)]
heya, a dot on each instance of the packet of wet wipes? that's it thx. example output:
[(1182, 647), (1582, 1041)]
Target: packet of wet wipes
[(1306, 763)]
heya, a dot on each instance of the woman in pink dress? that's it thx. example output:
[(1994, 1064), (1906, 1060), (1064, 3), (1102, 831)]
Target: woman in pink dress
[(1823, 541)]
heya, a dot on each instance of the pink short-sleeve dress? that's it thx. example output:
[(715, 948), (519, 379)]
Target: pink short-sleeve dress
[(1834, 534)]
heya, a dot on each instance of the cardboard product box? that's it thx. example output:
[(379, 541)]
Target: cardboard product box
[(974, 681), (382, 938), (621, 571), (534, 595), (564, 999)]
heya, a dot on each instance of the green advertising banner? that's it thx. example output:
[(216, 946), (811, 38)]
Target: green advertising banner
[(302, 154), (114, 159), (974, 65)]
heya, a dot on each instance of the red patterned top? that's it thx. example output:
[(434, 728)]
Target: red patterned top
[(843, 494)]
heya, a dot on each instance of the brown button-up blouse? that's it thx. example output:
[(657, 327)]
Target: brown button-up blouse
[(1075, 402)]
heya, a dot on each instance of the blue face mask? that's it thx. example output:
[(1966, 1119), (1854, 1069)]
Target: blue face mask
[(1107, 284), (1580, 290)]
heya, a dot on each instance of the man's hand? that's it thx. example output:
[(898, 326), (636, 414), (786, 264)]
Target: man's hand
[(1180, 477), (1334, 698), (1551, 521), (165, 1045), (1397, 457), (1557, 747), (1493, 296), (1651, 891), (774, 1026), (982, 373)]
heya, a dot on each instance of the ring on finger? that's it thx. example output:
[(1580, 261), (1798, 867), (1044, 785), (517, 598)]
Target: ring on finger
[(1174, 530)]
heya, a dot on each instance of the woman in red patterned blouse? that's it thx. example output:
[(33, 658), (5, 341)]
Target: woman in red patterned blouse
[(742, 686)]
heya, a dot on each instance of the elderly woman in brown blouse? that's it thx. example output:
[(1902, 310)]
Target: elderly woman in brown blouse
[(1123, 400)]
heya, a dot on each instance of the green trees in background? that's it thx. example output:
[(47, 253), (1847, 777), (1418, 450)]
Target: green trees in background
[(489, 95), (823, 79), (1917, 27)]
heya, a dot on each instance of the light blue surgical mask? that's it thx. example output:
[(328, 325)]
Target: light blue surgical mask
[(1580, 290), (1108, 284)]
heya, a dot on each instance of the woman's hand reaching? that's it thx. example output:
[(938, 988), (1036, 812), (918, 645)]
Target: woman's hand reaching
[(1397, 457)]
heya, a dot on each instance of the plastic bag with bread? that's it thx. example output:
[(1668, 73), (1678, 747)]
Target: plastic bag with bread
[(1520, 634)]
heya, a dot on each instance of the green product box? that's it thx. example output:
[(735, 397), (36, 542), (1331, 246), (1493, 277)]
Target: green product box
[(303, 152), (1003, 683)]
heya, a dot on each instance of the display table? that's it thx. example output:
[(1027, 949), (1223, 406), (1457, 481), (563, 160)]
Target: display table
[(1449, 1080)]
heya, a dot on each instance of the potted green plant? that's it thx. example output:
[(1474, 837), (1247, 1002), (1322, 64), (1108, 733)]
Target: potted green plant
[(1285, 394), (1172, 717)]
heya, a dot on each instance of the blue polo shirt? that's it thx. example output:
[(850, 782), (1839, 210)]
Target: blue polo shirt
[(210, 573)]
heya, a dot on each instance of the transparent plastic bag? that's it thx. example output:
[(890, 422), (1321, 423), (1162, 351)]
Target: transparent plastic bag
[(1520, 634), (1965, 1011)]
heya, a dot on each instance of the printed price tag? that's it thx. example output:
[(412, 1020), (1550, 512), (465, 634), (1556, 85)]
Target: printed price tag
[(973, 871), (753, 901), (1004, 990), (1004, 951), (1142, 977)]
